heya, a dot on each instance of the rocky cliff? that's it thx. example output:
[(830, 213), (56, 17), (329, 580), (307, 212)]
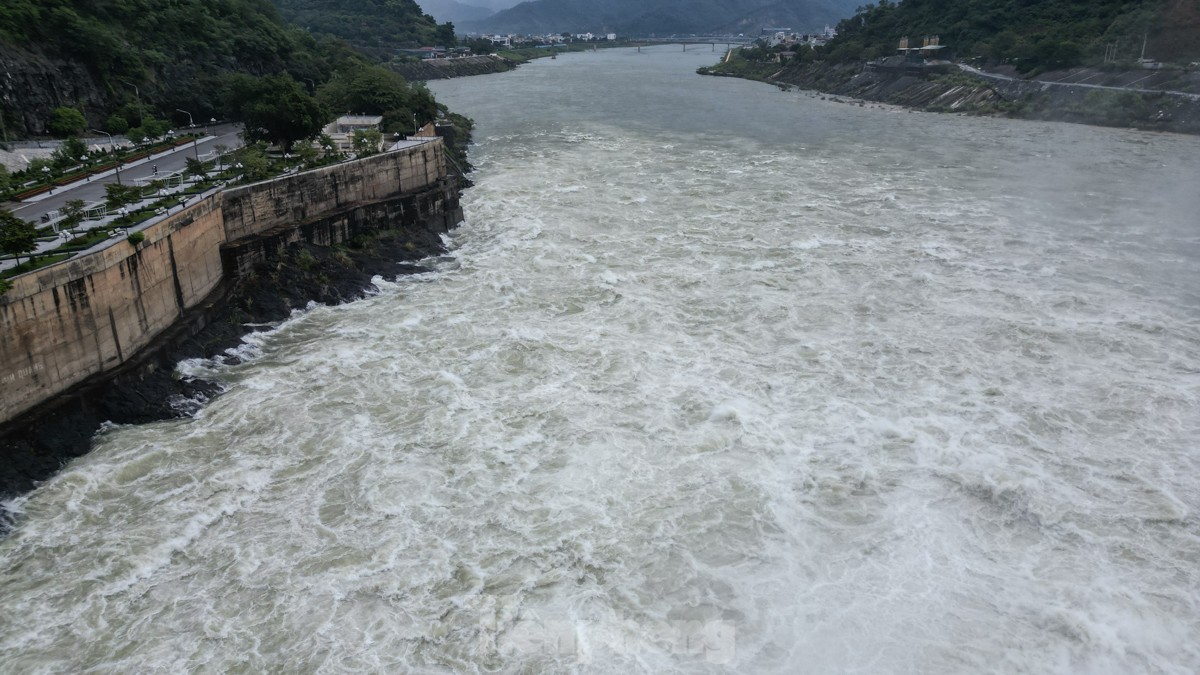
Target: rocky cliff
[(32, 85)]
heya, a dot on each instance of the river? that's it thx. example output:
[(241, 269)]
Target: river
[(714, 378)]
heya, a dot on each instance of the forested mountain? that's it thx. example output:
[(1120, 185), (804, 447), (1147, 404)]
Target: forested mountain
[(1042, 34), (665, 17), (377, 27), (137, 58)]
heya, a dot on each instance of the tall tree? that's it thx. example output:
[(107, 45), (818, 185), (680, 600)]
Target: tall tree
[(17, 235), (275, 108)]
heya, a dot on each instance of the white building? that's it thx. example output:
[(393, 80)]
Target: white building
[(342, 129)]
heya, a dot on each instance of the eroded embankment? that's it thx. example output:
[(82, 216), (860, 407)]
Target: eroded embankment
[(442, 69), (951, 90)]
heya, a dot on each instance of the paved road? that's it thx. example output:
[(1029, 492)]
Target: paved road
[(995, 76), (93, 190)]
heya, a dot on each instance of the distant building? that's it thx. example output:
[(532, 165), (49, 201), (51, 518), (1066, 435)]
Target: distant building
[(342, 129), (425, 52), (930, 49)]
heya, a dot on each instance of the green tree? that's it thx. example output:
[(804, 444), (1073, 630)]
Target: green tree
[(373, 90), (328, 147), (137, 135), (37, 166), (5, 178), (481, 46), (72, 212), (17, 235), (366, 142), (276, 109), (66, 122), (255, 165), (68, 153), (444, 35), (196, 168), (119, 195), (116, 124), (306, 153)]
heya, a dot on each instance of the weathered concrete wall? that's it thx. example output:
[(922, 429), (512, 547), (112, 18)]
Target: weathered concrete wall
[(304, 197), (428, 209), (82, 318), (65, 323)]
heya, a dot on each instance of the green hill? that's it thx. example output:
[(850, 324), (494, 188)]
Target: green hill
[(1046, 34), (136, 58), (377, 27)]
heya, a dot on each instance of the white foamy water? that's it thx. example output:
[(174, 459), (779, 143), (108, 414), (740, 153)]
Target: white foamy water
[(715, 378)]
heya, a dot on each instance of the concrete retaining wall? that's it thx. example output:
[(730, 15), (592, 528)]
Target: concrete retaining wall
[(295, 199), (82, 318), (65, 323)]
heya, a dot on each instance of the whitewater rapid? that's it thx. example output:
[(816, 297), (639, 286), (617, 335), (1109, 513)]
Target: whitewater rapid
[(713, 378)]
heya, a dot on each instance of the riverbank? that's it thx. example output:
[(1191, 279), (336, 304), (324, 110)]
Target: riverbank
[(105, 348), (500, 62), (149, 388), (443, 69), (950, 89)]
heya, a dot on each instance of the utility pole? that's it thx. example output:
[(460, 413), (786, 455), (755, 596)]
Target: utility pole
[(111, 145)]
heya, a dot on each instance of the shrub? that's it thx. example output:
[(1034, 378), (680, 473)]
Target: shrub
[(305, 259), (136, 238), (66, 122)]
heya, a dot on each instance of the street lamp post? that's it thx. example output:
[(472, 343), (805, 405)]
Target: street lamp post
[(191, 125), (138, 93), (112, 146)]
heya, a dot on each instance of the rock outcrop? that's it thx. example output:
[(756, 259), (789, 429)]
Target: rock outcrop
[(32, 85)]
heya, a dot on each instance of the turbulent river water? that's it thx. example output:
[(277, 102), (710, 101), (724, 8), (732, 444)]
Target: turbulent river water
[(715, 378)]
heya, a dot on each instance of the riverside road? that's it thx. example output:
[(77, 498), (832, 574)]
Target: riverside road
[(92, 191)]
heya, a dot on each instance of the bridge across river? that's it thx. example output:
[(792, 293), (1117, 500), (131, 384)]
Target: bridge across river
[(712, 40)]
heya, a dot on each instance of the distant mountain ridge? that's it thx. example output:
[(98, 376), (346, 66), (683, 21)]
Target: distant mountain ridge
[(663, 17), (455, 12)]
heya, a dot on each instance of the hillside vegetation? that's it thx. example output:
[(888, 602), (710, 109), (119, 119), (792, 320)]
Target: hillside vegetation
[(121, 62), (1047, 34), (377, 27)]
